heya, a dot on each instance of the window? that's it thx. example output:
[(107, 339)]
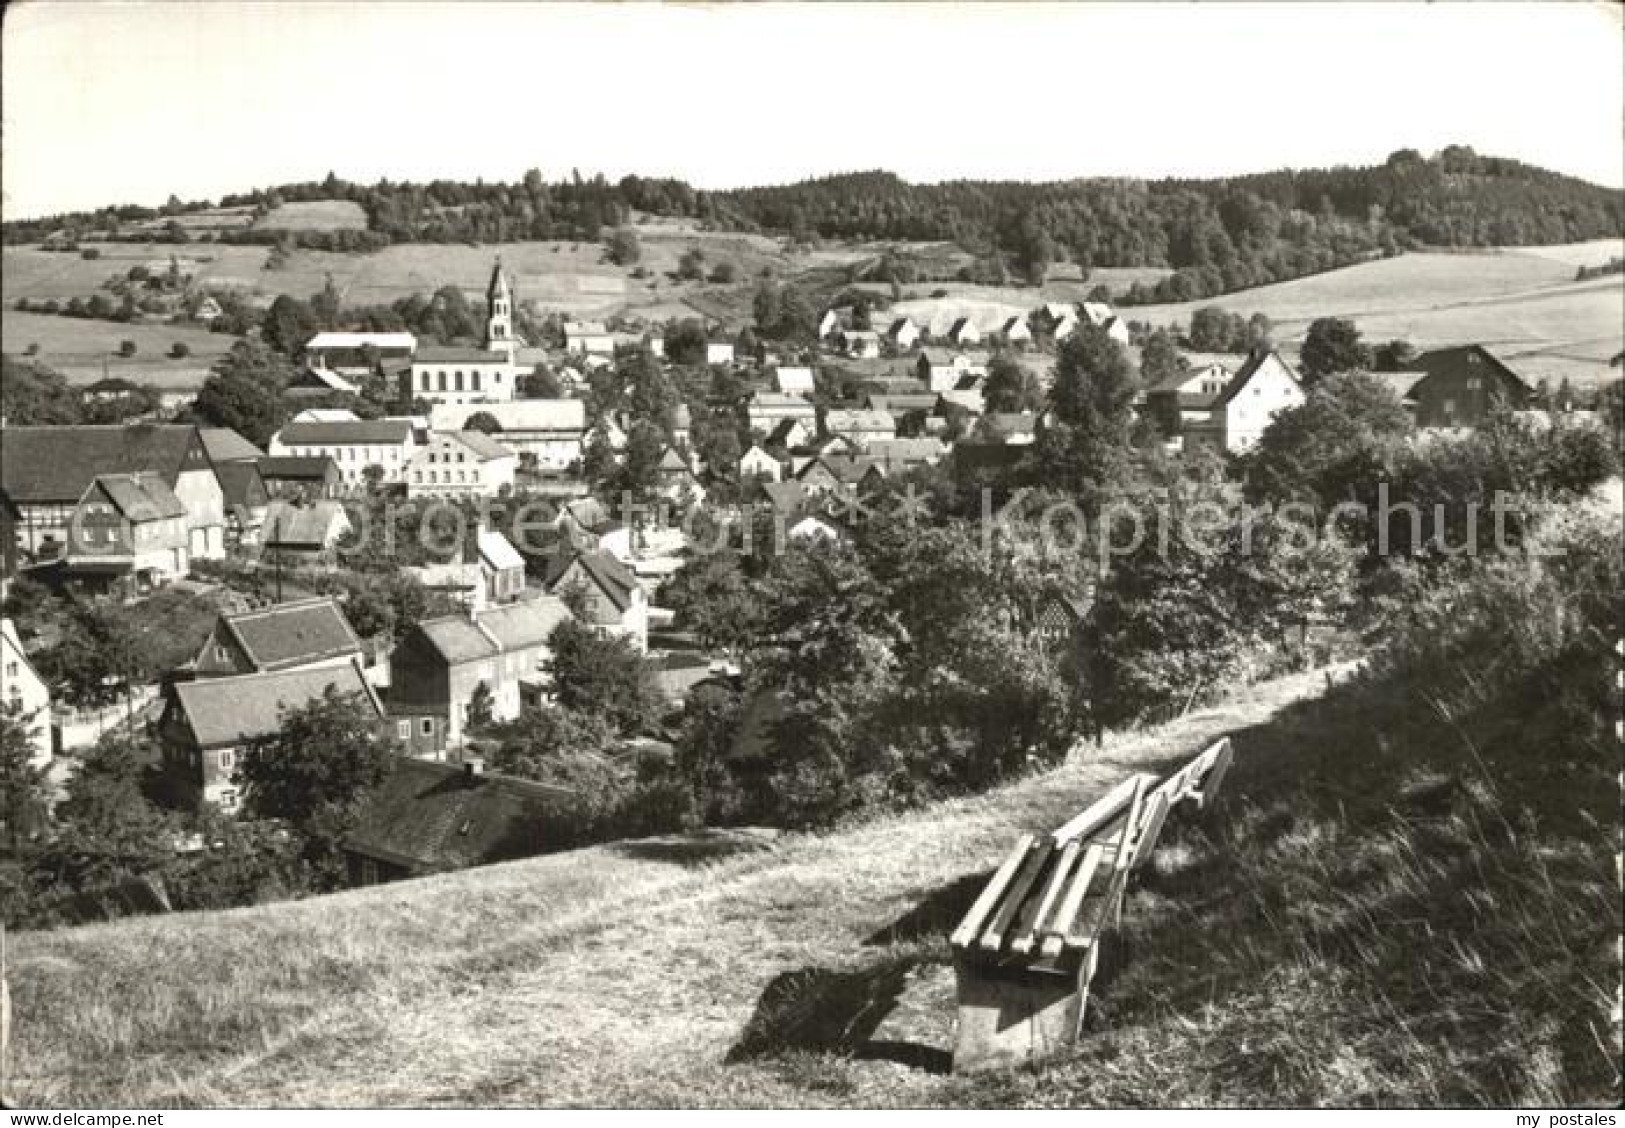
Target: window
[(459, 377), (228, 800), (227, 759), (442, 382), (427, 728), (220, 654), (403, 730), (1474, 383), (417, 476), (11, 672)]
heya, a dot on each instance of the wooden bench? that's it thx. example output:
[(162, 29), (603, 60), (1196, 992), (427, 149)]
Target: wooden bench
[(1026, 952)]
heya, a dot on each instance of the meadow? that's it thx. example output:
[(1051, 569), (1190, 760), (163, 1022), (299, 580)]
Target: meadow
[(85, 350), (1523, 303)]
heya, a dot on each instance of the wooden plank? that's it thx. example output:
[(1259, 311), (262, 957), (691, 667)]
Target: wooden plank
[(1150, 828), (1055, 939), (965, 934), (1027, 934), (993, 938), (1215, 775), (1102, 811)]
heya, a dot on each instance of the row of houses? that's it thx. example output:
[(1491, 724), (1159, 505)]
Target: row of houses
[(1057, 320)]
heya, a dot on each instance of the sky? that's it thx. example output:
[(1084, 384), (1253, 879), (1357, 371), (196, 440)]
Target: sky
[(128, 102)]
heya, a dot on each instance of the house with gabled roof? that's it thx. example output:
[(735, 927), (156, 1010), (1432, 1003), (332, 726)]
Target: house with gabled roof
[(678, 482), (757, 463), (1262, 388), (1015, 331), (388, 444), (300, 477), (546, 433), (299, 635), (588, 338), (1463, 385), (300, 532), (860, 426), (128, 528), (836, 473), (903, 333), (964, 332), (860, 344), (22, 687), (461, 464), (794, 381), (940, 369), (425, 818), (610, 597), (1185, 397), (1101, 316), (247, 501), (45, 471), (440, 665), (207, 724), (223, 445)]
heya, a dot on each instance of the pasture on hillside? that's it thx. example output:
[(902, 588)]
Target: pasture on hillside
[(1522, 303), (84, 350), (315, 215)]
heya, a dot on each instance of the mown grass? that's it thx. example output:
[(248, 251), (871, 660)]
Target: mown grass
[(1406, 897)]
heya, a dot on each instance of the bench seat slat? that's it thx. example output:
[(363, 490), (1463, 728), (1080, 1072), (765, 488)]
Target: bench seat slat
[(965, 934), (1223, 755), (993, 938), (1075, 893), (1102, 812), (1028, 931)]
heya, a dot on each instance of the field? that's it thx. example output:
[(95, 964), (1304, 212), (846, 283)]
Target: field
[(1523, 303), (315, 215), (85, 350)]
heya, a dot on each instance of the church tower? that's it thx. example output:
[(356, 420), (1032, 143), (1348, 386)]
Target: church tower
[(499, 335)]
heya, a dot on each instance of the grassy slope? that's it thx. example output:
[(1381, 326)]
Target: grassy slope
[(78, 348), (620, 974), (1367, 921), (1523, 302)]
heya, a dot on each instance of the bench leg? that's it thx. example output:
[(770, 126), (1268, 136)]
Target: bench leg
[(1013, 1016)]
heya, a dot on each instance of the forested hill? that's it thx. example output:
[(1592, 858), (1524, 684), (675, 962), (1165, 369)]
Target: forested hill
[(1218, 234)]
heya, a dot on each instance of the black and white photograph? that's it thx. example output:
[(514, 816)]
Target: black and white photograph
[(793, 555)]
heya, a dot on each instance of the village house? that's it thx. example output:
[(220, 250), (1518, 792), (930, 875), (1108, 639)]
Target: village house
[(940, 369), (45, 471), (903, 407), (903, 334), (860, 344), (791, 434), (678, 482), (128, 528), (1185, 397), (964, 332), (388, 444), (317, 384), (301, 635), (357, 354), (968, 391), (839, 473), (719, 352), (860, 426), (1260, 390), (26, 692), (300, 477), (487, 570), (546, 434), (207, 724), (586, 338), (897, 455), (766, 410), (246, 501), (440, 665), (303, 533), (757, 463), (426, 818), (1100, 315), (1008, 428), (611, 598), (1015, 331), (1463, 384), (833, 321), (794, 381), (461, 464)]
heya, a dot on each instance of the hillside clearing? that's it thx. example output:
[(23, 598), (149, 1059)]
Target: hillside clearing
[(85, 349), (622, 974)]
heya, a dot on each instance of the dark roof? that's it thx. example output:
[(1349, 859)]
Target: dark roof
[(847, 468), (226, 445), (1255, 360), (431, 817), (296, 526), (114, 384), (365, 432), (240, 484), (496, 630), (223, 711), (452, 354), (1469, 360), (785, 497), (56, 464), (139, 497), (612, 577), (298, 468), (292, 634)]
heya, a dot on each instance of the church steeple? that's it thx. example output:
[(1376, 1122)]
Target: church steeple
[(499, 326)]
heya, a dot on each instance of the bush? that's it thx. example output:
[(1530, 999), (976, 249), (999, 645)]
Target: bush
[(180, 350), (126, 348), (91, 253)]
